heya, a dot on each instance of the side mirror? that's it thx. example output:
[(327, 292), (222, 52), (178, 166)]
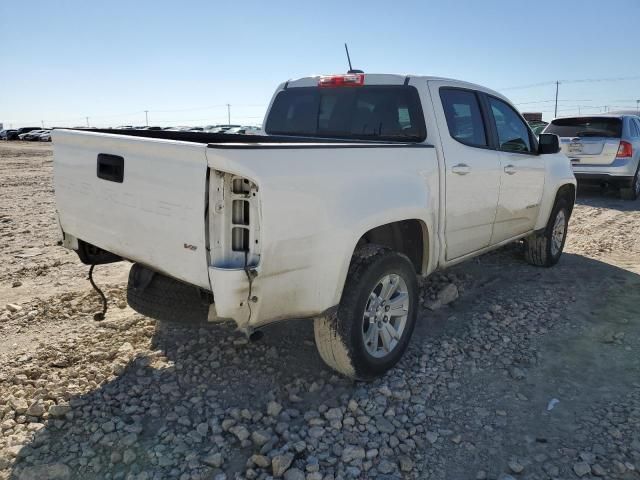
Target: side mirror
[(548, 143)]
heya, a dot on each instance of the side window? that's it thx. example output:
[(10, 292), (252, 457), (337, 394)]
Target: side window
[(513, 134), (464, 118), (636, 123)]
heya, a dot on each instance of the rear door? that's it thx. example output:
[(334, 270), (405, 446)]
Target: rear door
[(523, 172), (141, 198), (588, 140), (472, 176)]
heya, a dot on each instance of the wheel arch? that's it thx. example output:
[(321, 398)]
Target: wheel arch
[(409, 237), (565, 190)]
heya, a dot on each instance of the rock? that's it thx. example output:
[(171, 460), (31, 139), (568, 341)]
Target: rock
[(280, 464), (597, 470), (202, 428), (333, 414), (406, 464), (214, 460), (274, 409), (433, 305), (515, 466), (385, 425), (448, 294), (386, 467), (260, 437), (294, 474), (481, 475), (51, 471), (581, 469), (240, 432), (13, 308), (16, 283), (432, 437), (36, 409), (128, 457), (108, 427), (59, 410), (260, 461), (14, 450), (20, 405), (351, 453), (517, 373)]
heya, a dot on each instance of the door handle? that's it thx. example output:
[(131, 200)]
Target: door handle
[(461, 169), (510, 169)]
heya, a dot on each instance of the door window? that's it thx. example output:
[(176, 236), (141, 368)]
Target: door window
[(464, 118), (513, 133)]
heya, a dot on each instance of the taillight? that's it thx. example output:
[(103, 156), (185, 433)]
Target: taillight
[(625, 150), (348, 80)]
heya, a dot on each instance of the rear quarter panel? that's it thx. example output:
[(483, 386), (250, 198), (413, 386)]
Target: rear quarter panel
[(316, 203)]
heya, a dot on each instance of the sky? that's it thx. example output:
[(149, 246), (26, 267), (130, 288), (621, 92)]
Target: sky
[(183, 62)]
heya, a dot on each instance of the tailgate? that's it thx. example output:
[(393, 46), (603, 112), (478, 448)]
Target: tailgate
[(143, 199), (590, 151)]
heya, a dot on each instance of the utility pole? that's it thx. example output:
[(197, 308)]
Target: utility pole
[(638, 106), (146, 116), (228, 114), (556, 111), (87, 121), (42, 122)]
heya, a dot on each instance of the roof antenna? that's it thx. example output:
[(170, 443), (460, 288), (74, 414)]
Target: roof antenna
[(351, 70)]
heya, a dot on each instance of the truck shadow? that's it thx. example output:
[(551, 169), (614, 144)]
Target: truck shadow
[(164, 412)]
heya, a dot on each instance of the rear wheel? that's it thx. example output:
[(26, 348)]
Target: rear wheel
[(544, 249), (372, 327), (632, 192)]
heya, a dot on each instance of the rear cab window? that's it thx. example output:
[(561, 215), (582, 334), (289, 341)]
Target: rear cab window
[(368, 112), (607, 127)]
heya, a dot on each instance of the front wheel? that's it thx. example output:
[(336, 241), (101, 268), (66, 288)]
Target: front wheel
[(544, 249), (375, 319)]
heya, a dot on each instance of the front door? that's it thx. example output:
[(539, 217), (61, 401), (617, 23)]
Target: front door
[(522, 173)]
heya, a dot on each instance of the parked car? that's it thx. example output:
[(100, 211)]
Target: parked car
[(33, 135), (405, 175), (24, 130), (45, 137), (604, 149), (29, 134), (245, 130), (8, 134)]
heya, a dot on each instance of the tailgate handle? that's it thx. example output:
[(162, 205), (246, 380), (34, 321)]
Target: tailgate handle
[(111, 167)]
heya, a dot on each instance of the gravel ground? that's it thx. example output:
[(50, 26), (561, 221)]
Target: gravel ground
[(523, 373)]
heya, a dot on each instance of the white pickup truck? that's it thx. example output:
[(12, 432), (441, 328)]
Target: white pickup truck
[(361, 183)]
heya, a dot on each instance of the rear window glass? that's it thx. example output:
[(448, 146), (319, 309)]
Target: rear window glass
[(389, 112), (586, 127)]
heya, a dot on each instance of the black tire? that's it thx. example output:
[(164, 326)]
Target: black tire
[(538, 246), (633, 191), (339, 335), (166, 299)]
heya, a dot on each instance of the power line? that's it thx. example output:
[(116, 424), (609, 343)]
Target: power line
[(579, 80)]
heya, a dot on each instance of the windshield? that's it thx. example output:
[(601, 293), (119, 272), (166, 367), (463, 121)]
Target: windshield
[(586, 127), (376, 112)]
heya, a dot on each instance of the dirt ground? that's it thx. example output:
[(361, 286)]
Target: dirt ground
[(530, 374)]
